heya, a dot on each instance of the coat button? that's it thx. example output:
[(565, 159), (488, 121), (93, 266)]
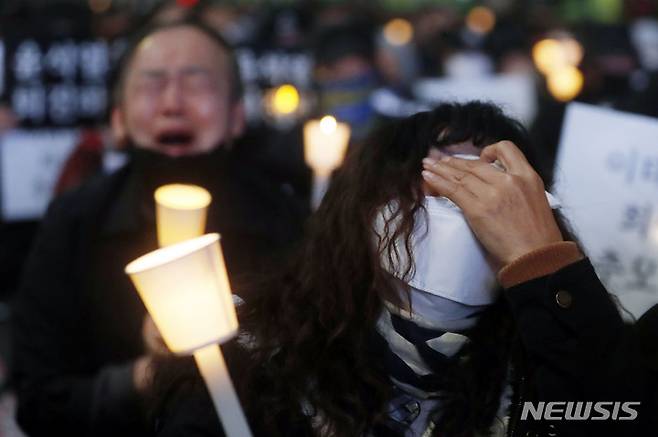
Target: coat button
[(563, 298)]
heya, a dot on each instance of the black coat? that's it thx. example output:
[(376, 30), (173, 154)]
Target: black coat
[(579, 349), (576, 349), (77, 318)]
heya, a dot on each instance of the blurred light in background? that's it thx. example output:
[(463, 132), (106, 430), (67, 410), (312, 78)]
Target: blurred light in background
[(99, 6), (554, 54), (398, 32), (565, 83), (573, 51), (328, 125), (557, 58), (548, 55), (284, 105), (481, 20), (285, 99)]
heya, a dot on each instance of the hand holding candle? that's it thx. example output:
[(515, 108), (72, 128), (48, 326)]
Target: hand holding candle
[(185, 288)]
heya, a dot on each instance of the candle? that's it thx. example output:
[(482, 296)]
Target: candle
[(185, 288), (325, 144), (180, 212)]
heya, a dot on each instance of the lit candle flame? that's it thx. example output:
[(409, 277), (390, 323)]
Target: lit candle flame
[(182, 196), (328, 125)]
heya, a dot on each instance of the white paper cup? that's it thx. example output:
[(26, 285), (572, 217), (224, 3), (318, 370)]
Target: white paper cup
[(325, 143), (186, 290), (180, 212)]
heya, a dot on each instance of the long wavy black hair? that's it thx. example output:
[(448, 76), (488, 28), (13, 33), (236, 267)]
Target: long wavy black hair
[(309, 331)]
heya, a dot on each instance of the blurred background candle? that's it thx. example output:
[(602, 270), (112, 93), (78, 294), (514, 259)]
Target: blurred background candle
[(558, 59), (180, 212), (325, 144), (186, 291)]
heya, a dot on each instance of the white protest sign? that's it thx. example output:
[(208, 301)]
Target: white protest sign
[(514, 93), (606, 177), (31, 162)]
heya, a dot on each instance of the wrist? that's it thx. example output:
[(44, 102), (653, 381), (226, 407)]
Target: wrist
[(539, 262)]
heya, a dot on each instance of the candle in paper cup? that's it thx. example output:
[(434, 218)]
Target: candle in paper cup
[(186, 290), (325, 143), (180, 212)]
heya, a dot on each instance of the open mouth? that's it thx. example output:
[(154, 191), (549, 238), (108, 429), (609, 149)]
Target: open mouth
[(175, 142), (177, 139)]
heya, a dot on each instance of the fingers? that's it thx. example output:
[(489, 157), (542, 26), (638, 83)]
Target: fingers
[(509, 155), (142, 374), (435, 154), (156, 345), (469, 175), (152, 338), (466, 179), (442, 186), (480, 169)]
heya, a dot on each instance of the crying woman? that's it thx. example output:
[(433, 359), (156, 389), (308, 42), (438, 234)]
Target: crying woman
[(436, 293)]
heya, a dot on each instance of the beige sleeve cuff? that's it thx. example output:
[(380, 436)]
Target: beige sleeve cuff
[(539, 262)]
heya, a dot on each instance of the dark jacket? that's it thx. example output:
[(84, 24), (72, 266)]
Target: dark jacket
[(577, 348), (78, 320)]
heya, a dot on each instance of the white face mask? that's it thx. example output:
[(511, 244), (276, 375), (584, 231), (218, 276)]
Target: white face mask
[(449, 261)]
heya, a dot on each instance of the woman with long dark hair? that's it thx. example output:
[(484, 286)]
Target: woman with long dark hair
[(389, 321)]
